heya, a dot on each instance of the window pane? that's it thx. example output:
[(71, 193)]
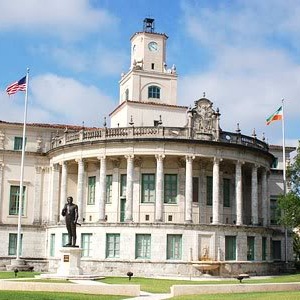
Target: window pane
[(174, 246), (64, 239), (170, 185), (86, 244), (226, 192), (123, 185), (154, 92), (18, 143), (12, 244), (148, 188), (264, 248), (274, 214), (209, 190), (108, 188), (126, 94), (91, 190), (113, 245), (52, 244), (230, 248), (250, 248), (275, 163), (195, 189), (14, 200), (143, 246), (276, 250)]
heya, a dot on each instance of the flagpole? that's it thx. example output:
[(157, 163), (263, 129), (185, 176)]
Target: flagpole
[(284, 175), (22, 169)]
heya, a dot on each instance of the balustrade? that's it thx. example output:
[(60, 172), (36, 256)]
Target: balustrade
[(72, 137)]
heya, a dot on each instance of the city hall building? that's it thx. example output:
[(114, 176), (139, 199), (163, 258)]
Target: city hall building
[(164, 190)]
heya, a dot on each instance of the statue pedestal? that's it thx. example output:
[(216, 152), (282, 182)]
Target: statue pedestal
[(70, 262)]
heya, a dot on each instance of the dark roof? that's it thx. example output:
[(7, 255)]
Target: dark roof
[(46, 125)]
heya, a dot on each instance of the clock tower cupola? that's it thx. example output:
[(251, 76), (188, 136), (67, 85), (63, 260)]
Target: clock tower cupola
[(149, 79)]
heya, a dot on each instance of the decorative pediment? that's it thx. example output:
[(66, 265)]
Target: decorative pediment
[(205, 119)]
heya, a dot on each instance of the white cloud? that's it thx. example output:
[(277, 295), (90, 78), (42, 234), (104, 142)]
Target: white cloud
[(251, 69), (57, 99), (67, 18), (95, 60)]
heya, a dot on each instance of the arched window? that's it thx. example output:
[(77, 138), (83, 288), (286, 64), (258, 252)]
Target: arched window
[(127, 94), (154, 92)]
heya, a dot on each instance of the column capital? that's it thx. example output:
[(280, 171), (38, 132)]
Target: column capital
[(79, 160), (55, 167), (39, 169), (189, 158), (63, 162), (217, 160), (47, 169), (160, 156), (129, 156), (101, 157), (239, 162)]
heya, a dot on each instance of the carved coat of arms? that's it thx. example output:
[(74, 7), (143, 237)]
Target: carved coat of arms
[(205, 121)]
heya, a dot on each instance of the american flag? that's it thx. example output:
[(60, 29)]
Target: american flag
[(16, 86)]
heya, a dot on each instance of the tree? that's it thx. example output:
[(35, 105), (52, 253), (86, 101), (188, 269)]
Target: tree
[(289, 204), (289, 210), (293, 173)]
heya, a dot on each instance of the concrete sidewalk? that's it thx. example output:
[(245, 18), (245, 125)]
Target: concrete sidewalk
[(149, 296)]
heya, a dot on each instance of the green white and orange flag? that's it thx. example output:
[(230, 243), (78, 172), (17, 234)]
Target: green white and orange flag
[(276, 116)]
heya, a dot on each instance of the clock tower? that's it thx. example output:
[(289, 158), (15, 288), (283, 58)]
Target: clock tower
[(149, 83), (149, 48), (149, 79)]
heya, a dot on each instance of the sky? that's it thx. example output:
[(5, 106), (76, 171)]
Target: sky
[(245, 56)]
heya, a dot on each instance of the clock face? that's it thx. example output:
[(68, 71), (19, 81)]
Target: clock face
[(153, 46)]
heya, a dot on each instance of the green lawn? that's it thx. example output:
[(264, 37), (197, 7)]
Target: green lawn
[(163, 285), (8, 274), (155, 286), (246, 296), (5, 295)]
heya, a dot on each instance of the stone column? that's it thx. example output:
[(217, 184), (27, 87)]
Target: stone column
[(264, 196), (129, 189), (238, 193), (189, 189), (102, 188), (2, 139), (54, 194), (1, 188), (37, 195), (216, 191), (254, 196), (159, 187), (202, 191), (115, 205), (80, 186), (63, 188), (137, 189)]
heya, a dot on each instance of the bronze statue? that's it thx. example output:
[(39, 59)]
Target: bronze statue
[(70, 212)]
